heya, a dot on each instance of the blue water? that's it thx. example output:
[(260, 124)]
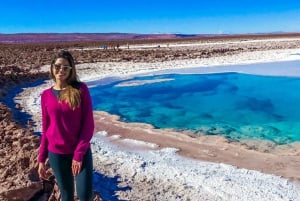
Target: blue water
[(236, 105)]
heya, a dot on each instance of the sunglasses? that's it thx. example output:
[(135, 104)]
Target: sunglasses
[(58, 67)]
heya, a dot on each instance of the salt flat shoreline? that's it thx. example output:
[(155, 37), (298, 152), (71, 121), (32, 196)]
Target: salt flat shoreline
[(134, 152)]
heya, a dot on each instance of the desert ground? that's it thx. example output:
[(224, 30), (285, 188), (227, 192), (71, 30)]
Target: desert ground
[(135, 161)]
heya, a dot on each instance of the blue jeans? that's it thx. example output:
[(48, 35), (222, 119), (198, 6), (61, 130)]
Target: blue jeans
[(61, 165)]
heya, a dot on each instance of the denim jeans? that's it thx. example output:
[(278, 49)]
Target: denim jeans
[(61, 166)]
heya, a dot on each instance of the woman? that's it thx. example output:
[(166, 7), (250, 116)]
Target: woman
[(67, 128)]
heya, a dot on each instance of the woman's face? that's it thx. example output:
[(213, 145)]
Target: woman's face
[(61, 69)]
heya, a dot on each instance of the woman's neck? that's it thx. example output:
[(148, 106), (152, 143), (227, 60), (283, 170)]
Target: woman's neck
[(60, 85)]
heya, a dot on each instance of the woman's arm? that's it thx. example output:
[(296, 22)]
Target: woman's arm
[(43, 150), (87, 126)]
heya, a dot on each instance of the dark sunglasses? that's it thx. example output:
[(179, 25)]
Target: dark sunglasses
[(58, 67)]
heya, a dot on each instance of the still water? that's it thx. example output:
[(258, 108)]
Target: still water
[(237, 105)]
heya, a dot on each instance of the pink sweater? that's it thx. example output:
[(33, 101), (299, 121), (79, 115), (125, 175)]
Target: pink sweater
[(66, 131)]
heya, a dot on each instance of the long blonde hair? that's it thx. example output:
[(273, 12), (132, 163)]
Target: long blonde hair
[(71, 94)]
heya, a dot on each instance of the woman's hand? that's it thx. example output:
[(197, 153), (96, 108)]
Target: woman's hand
[(42, 171), (76, 167)]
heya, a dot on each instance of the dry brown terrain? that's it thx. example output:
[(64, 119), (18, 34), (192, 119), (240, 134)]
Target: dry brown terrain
[(20, 63), (35, 55)]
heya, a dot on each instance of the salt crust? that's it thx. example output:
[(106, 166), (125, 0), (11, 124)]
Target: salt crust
[(183, 179), (162, 174)]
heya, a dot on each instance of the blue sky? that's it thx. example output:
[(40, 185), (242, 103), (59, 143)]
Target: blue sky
[(155, 16)]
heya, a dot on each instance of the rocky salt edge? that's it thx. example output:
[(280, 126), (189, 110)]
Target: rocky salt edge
[(163, 174)]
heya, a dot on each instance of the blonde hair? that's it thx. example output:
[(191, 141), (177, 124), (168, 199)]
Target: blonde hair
[(71, 94)]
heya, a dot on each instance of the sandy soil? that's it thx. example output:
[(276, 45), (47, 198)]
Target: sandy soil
[(121, 154), (278, 160)]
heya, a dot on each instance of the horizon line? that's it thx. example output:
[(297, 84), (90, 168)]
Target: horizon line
[(254, 33)]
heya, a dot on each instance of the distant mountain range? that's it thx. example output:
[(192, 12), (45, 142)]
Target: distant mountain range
[(24, 38), (73, 37)]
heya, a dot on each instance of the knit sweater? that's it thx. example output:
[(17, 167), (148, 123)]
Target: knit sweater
[(64, 130)]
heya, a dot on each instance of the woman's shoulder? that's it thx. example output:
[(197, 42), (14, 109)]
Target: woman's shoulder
[(78, 85), (84, 90), (46, 91), (83, 86)]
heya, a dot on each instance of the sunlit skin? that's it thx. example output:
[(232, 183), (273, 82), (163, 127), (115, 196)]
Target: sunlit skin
[(61, 77)]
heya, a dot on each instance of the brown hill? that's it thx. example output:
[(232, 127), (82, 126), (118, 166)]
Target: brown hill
[(25, 38)]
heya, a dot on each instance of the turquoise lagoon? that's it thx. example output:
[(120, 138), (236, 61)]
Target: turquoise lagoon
[(258, 101)]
